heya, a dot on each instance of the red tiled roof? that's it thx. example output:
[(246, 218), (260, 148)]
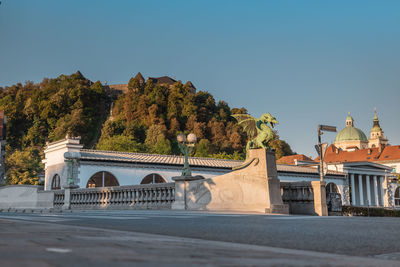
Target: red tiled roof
[(290, 159), (333, 154), (390, 153)]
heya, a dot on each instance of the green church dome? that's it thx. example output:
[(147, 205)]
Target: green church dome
[(350, 133)]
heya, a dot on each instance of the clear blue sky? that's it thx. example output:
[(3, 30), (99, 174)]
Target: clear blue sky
[(307, 62)]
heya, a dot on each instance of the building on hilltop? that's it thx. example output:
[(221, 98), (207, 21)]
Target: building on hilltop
[(163, 80)]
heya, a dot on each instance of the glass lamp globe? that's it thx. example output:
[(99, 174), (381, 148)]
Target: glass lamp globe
[(191, 138), (181, 138)]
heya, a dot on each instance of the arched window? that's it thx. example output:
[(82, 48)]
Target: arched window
[(153, 178), (331, 188), (102, 179), (397, 197), (55, 183)]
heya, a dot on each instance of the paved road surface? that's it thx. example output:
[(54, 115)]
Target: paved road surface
[(155, 237)]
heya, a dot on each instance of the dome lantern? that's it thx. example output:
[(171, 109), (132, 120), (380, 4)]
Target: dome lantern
[(349, 121), (350, 136)]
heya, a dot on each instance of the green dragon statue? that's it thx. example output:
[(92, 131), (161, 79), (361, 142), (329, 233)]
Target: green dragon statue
[(258, 131)]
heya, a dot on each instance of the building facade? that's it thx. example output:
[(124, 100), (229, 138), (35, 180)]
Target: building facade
[(372, 165), (66, 160)]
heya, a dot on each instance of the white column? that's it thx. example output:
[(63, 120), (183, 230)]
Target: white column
[(376, 191), (360, 189), (381, 180), (367, 180), (353, 190)]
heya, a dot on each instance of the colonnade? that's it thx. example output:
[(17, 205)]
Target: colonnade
[(367, 190)]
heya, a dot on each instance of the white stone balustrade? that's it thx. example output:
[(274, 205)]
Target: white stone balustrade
[(149, 196), (59, 196), (297, 192)]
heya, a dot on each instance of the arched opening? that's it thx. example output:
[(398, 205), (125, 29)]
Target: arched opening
[(332, 188), (397, 197), (333, 198), (56, 182), (153, 178), (102, 179)]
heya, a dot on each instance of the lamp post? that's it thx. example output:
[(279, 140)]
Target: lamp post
[(322, 147), (186, 145)]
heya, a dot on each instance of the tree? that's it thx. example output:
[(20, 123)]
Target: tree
[(120, 143), (163, 146), (203, 148), (155, 135), (23, 167), (281, 147)]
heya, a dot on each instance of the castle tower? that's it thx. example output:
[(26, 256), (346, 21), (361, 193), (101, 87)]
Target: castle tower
[(377, 138)]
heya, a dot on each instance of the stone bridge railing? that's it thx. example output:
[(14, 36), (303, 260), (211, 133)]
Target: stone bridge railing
[(59, 196), (297, 192), (149, 196), (299, 196)]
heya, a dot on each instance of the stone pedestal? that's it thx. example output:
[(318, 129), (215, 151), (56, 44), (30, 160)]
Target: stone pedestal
[(268, 161), (253, 186), (67, 196), (320, 207), (181, 187)]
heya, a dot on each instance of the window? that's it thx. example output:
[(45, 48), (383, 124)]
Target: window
[(55, 183), (153, 178), (397, 197), (102, 179)]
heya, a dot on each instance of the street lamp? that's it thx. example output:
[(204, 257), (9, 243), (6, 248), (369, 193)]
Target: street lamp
[(322, 147), (186, 145)]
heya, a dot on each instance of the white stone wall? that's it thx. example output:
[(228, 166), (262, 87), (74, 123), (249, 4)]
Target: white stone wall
[(25, 197), (54, 162), (393, 165), (133, 175)]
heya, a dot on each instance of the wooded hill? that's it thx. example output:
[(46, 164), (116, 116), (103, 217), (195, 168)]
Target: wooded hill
[(146, 118)]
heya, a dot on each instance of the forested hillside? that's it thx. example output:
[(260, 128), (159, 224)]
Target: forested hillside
[(146, 118)]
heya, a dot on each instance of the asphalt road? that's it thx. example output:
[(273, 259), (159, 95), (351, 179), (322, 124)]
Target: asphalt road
[(374, 238)]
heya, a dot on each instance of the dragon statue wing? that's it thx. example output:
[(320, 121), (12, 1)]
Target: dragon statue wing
[(248, 123)]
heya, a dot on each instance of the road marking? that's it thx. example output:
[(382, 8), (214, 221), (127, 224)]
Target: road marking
[(59, 250), (299, 217), (36, 218), (389, 256)]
